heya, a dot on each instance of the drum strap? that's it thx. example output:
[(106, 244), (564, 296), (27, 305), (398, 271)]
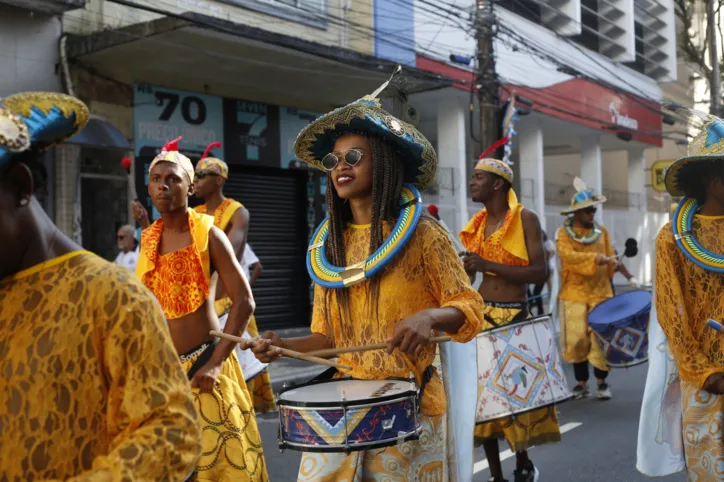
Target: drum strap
[(426, 377), (203, 358)]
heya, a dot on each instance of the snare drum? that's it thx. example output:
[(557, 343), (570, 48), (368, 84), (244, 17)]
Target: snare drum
[(250, 366), (519, 370), (621, 324), (345, 415)]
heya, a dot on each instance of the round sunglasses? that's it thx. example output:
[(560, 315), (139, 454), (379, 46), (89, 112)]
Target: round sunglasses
[(351, 158)]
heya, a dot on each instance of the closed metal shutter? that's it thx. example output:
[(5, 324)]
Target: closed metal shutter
[(277, 204)]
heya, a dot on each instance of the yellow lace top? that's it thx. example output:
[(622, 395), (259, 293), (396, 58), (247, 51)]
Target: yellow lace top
[(179, 280), (91, 386), (427, 274), (687, 296), (582, 280)]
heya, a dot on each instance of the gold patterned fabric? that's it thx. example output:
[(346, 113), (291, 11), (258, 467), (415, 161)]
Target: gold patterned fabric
[(497, 167), (521, 431), (421, 460), (91, 386), (231, 444), (584, 284), (427, 274), (703, 413), (687, 296)]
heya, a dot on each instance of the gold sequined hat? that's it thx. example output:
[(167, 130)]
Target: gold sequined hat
[(708, 145), (212, 164), (170, 153), (583, 198), (367, 117), (497, 167), (38, 120)]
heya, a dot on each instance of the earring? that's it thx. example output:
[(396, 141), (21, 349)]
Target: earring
[(24, 202)]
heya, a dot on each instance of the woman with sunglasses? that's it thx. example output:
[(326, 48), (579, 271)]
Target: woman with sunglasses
[(588, 262), (415, 287)]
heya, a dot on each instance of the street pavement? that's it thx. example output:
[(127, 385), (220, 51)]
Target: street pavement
[(599, 443)]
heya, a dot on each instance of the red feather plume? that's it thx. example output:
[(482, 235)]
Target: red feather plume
[(494, 147), (172, 145), (213, 145)]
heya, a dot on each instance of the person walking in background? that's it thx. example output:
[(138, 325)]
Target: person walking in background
[(251, 265), (128, 247)]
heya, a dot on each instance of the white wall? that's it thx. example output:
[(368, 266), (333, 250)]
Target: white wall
[(28, 52)]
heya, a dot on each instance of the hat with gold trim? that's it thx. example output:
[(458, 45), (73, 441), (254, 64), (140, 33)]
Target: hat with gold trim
[(584, 198), (708, 145), (367, 117), (38, 120)]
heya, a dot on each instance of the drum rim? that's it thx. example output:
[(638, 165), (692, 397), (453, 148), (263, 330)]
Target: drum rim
[(628, 365), (349, 403), (619, 295), (527, 321), (414, 435), (318, 406), (550, 404)]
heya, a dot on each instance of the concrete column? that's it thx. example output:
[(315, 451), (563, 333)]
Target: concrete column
[(532, 177), (453, 160), (67, 165), (636, 177), (591, 167)]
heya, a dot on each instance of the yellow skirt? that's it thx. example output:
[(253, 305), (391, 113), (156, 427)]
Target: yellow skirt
[(231, 448), (260, 386), (521, 431), (578, 341)]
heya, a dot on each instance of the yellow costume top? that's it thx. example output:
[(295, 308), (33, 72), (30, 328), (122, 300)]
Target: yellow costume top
[(426, 274), (222, 217), (507, 244), (91, 386), (180, 280), (223, 213), (687, 296), (582, 280)]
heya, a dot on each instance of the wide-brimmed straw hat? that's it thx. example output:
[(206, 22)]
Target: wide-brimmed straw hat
[(708, 145), (584, 198), (367, 117)]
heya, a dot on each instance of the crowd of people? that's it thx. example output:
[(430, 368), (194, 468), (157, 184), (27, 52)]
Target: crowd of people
[(112, 372)]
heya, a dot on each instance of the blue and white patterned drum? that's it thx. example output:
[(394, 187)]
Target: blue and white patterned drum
[(621, 324), (519, 370), (348, 415)]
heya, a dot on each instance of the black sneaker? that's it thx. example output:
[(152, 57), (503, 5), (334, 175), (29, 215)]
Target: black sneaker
[(580, 392), (526, 475), (493, 479)]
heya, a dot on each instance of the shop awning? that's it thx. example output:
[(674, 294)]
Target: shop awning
[(101, 134)]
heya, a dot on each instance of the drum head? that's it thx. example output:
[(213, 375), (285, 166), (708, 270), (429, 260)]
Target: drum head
[(619, 310), (341, 392)]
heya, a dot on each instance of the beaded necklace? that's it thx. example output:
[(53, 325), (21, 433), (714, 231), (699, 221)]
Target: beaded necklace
[(687, 243), (586, 239)]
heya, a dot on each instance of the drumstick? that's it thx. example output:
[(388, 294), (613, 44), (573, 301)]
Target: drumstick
[(285, 352), (354, 349)]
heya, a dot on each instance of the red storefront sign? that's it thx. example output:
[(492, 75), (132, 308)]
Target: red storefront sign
[(577, 100)]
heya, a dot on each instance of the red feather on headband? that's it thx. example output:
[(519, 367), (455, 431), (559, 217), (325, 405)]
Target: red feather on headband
[(494, 147), (213, 145), (172, 146)]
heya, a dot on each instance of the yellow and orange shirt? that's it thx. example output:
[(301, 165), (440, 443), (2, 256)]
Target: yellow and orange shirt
[(91, 386), (426, 274), (179, 280), (582, 279), (688, 296)]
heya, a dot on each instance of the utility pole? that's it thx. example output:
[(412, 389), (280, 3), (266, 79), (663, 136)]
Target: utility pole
[(487, 83), (713, 58)]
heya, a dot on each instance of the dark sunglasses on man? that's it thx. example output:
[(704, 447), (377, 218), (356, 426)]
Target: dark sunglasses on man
[(590, 210), (351, 158), (204, 173)]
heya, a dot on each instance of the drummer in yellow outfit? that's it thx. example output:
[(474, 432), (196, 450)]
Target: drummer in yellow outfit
[(588, 262), (505, 243), (177, 252), (233, 219)]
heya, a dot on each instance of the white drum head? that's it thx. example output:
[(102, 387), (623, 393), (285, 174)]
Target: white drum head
[(351, 390)]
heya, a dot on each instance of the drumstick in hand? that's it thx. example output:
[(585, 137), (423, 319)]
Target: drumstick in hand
[(332, 352), (285, 352)]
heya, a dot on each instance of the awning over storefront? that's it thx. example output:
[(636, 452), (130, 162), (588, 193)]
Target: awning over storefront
[(101, 134), (200, 53)]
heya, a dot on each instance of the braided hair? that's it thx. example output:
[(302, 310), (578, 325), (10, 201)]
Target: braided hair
[(387, 179)]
